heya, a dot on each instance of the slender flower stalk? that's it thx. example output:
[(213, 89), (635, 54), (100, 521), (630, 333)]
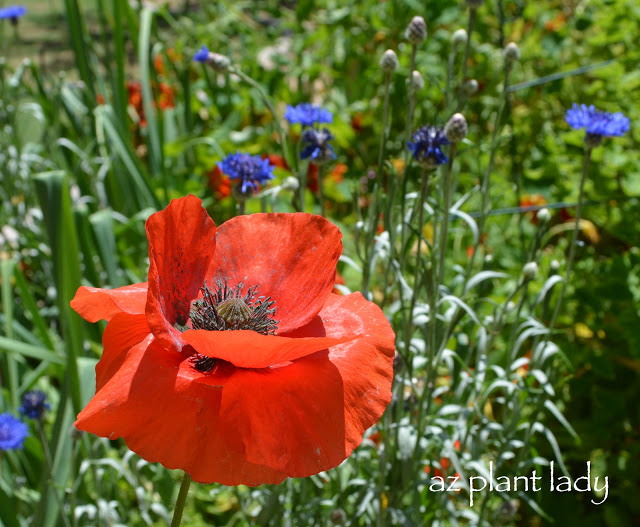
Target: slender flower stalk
[(182, 499), (462, 96), (269, 104), (574, 240), (323, 206)]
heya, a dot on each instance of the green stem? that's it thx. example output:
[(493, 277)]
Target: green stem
[(323, 207), (465, 60), (383, 133), (574, 240), (269, 104), (447, 206), (182, 499), (49, 463)]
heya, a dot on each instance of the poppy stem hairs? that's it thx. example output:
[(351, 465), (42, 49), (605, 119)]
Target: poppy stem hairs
[(235, 362)]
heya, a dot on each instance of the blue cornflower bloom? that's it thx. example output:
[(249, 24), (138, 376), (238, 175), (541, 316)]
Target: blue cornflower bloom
[(201, 55), (595, 122), (317, 146), (34, 404), (12, 432), (249, 170), (307, 114), (13, 12), (426, 146)]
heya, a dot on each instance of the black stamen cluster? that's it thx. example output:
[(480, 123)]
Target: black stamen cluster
[(204, 314)]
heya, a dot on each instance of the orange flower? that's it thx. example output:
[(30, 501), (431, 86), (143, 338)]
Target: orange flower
[(165, 98), (135, 100), (225, 385), (531, 200), (337, 174), (218, 183)]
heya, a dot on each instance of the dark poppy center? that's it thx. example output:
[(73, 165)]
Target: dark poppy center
[(224, 308)]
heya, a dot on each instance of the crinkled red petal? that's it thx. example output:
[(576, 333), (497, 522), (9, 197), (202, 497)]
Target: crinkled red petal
[(181, 244), (248, 349), (168, 412), (309, 415), (291, 257), (94, 304)]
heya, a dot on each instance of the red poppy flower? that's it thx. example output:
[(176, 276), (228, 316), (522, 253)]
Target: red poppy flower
[(200, 374)]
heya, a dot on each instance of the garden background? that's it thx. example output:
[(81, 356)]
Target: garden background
[(105, 117)]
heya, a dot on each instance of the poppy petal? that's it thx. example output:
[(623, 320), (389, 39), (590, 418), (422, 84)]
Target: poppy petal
[(289, 418), (167, 412), (181, 243), (123, 332), (367, 390), (321, 404), (291, 257), (93, 303), (248, 349)]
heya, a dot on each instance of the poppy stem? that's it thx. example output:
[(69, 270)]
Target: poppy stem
[(182, 499)]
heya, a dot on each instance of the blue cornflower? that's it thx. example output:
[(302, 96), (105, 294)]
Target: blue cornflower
[(13, 12), (317, 147), (201, 55), (307, 114), (597, 124), (12, 432), (426, 146), (249, 170), (34, 404)]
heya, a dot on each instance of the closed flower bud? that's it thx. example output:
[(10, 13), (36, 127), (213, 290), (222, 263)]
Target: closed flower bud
[(290, 183), (416, 31), (389, 61), (456, 129), (474, 4), (554, 266), (592, 140), (471, 87), (459, 37), (530, 271), (511, 52), (338, 517), (219, 63), (417, 82), (544, 215)]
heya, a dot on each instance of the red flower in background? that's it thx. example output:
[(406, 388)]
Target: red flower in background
[(218, 183), (277, 160), (200, 374)]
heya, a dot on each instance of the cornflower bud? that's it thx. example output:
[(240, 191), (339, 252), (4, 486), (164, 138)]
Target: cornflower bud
[(416, 31), (290, 183), (456, 128), (471, 86), (544, 215), (530, 270), (416, 82), (459, 37), (511, 52), (389, 61)]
